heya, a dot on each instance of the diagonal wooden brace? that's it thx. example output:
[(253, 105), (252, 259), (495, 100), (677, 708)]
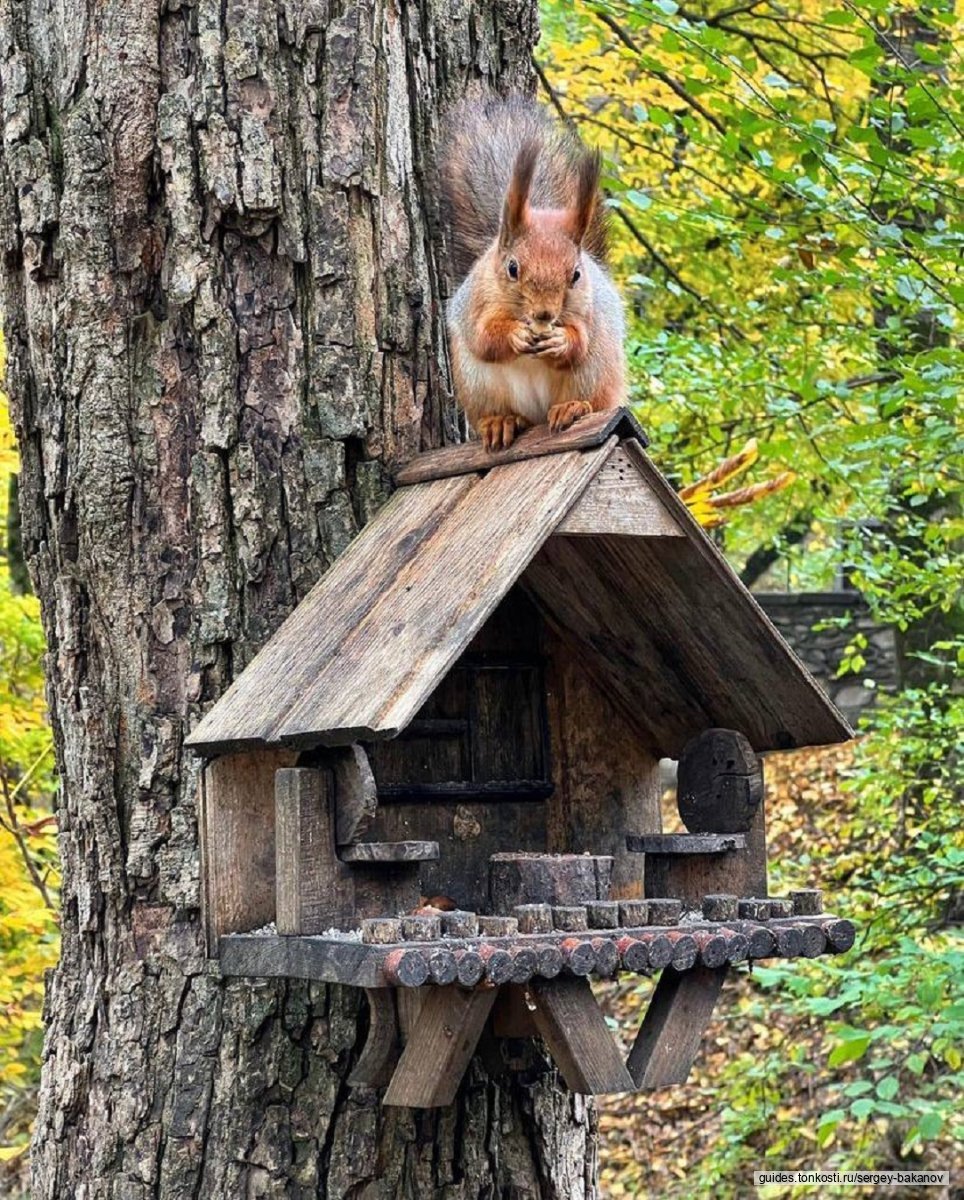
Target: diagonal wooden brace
[(669, 1037), (570, 1022), (440, 1047)]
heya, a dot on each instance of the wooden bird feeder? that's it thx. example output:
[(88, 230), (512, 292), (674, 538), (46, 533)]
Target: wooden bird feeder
[(472, 703)]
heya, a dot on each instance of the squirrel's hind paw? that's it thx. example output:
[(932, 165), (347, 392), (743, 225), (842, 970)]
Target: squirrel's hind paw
[(561, 416), (498, 433)]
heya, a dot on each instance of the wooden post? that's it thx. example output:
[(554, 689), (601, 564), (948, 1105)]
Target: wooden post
[(237, 828), (315, 891), (607, 781)]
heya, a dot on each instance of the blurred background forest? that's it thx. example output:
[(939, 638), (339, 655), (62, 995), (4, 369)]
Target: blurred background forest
[(783, 180)]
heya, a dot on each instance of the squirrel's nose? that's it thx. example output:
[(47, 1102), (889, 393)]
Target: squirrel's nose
[(543, 316)]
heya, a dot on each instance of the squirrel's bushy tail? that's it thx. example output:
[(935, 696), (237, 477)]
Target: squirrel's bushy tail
[(477, 160)]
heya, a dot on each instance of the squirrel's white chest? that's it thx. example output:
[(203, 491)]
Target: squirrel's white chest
[(526, 385)]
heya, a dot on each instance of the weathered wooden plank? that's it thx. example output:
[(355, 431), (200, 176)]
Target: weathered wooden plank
[(389, 852), (356, 793), (571, 1024), (380, 1052), (669, 1038), (315, 891), (437, 601), (238, 842), (251, 709), (591, 431), (557, 879), (685, 843), (440, 1047), (600, 795), (618, 501)]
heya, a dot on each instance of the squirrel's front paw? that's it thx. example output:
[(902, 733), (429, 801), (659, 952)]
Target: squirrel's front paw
[(552, 345), (561, 416), (520, 339), (498, 433)]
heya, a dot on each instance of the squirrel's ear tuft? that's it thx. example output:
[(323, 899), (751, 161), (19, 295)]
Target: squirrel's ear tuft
[(515, 211), (587, 195)]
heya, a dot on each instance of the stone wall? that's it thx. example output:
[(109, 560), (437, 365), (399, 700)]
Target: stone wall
[(796, 613)]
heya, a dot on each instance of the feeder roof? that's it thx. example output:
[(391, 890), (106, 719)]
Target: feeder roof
[(600, 541)]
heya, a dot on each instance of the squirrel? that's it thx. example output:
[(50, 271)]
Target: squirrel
[(536, 324)]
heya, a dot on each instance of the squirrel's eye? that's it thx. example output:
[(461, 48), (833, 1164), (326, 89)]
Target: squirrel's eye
[(575, 275), (513, 268)]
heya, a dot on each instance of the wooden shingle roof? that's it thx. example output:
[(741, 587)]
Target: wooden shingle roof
[(604, 546)]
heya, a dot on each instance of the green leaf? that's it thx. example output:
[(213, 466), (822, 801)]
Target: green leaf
[(851, 1050)]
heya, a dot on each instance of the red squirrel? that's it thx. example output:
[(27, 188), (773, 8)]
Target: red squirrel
[(536, 325)]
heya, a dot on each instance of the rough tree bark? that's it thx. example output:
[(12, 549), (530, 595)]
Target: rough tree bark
[(222, 306)]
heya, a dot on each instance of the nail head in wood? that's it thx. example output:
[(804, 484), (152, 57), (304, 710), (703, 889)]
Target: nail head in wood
[(469, 967), (737, 945), (762, 942), (660, 949), (533, 918), (685, 950), (789, 941), (498, 963), (713, 949), (719, 783), (525, 964)]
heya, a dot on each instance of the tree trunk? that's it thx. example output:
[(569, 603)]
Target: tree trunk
[(224, 317)]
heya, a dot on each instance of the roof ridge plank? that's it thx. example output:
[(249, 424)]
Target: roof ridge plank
[(373, 685), (586, 434)]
